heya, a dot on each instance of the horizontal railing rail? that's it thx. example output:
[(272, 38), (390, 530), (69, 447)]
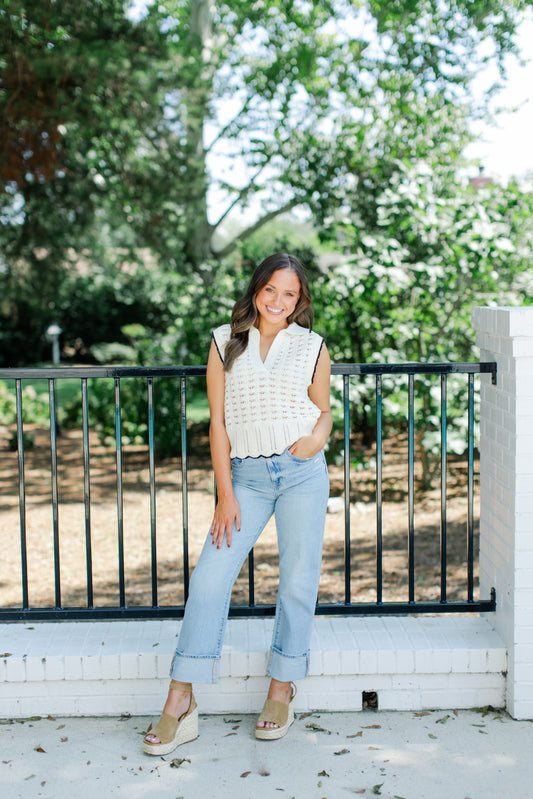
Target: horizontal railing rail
[(122, 610)]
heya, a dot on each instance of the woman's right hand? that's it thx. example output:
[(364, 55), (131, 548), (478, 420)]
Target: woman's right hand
[(226, 513)]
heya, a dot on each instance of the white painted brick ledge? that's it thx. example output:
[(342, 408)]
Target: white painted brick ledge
[(109, 668)]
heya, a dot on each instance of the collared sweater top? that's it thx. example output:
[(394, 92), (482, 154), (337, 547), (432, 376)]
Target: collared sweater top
[(266, 404)]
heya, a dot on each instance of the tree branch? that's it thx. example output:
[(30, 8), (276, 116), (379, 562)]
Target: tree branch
[(249, 231), (240, 194), (227, 127)]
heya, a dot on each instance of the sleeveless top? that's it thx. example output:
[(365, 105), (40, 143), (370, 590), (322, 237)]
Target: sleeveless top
[(266, 405)]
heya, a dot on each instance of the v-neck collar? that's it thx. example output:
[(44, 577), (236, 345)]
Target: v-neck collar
[(255, 342)]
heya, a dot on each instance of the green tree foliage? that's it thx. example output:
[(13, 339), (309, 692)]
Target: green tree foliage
[(79, 83), (116, 132), (141, 120), (279, 104), (406, 288)]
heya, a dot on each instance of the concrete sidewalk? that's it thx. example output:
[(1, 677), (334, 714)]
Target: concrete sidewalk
[(464, 754)]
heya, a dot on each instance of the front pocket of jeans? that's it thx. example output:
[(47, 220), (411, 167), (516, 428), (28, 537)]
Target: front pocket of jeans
[(300, 460)]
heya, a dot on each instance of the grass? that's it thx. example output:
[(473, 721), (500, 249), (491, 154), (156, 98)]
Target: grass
[(68, 390), (65, 389)]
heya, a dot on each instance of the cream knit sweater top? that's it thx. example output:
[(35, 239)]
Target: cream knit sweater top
[(266, 404)]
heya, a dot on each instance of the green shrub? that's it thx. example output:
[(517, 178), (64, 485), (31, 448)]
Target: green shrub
[(35, 407)]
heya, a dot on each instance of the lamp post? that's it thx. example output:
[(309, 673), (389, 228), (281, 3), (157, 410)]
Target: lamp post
[(53, 332)]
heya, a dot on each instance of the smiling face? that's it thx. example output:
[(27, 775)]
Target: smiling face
[(276, 301)]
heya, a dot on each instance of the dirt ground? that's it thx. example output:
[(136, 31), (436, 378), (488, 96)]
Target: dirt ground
[(104, 511)]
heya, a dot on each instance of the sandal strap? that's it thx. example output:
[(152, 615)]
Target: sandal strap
[(166, 727), (275, 712), (186, 687)]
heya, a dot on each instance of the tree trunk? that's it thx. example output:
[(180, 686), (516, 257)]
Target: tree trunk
[(196, 99)]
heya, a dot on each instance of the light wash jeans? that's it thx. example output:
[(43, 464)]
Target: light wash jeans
[(296, 491)]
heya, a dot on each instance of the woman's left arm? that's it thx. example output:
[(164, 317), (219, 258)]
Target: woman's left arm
[(319, 391)]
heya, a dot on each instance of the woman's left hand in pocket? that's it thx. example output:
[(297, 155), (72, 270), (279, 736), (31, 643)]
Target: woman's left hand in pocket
[(305, 447)]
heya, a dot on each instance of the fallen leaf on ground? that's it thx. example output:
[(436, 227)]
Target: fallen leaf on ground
[(232, 721), (485, 710), (356, 735), (377, 788), (323, 773), (63, 740), (245, 773), (316, 728), (177, 761), (373, 727), (40, 749), (342, 752)]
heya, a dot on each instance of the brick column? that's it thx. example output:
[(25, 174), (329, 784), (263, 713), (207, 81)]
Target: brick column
[(505, 335)]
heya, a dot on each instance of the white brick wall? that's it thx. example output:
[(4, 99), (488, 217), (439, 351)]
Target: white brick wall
[(505, 335), (98, 668)]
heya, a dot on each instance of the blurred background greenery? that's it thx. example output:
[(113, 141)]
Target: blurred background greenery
[(151, 155)]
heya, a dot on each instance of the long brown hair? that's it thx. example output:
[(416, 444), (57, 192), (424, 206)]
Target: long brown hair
[(244, 314)]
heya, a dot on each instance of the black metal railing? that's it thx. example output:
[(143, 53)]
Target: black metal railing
[(182, 374)]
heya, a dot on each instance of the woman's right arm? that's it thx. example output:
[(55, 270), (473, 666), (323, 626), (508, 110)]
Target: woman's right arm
[(227, 510)]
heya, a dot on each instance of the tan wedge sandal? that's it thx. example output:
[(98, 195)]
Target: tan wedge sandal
[(171, 731), (276, 713)]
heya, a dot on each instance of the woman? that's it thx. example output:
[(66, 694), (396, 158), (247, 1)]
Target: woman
[(268, 381)]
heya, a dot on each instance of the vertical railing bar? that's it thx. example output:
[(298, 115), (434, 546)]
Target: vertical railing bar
[(379, 490), (87, 491), (251, 581), (443, 487), (470, 523), (347, 529), (120, 498), (55, 504), (22, 495), (151, 463), (184, 487), (411, 492)]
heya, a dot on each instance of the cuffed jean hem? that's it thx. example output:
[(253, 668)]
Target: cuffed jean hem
[(194, 669), (286, 668)]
